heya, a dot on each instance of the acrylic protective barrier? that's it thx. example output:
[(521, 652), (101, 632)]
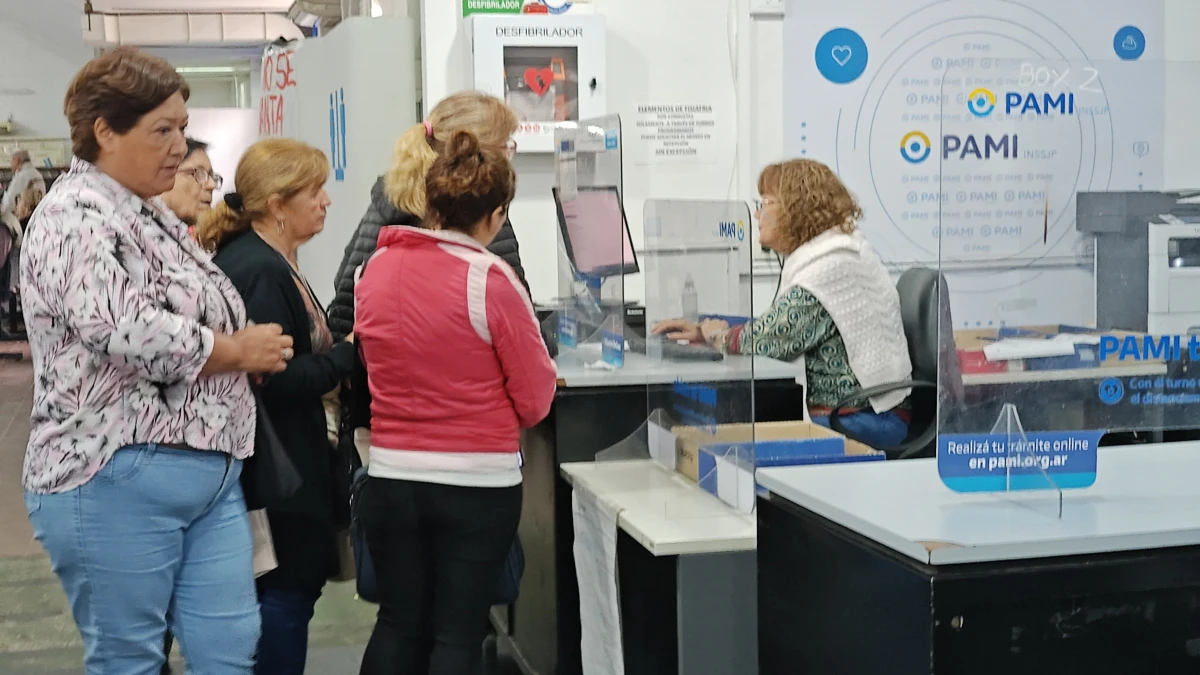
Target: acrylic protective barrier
[(595, 250), (697, 265), (1074, 281)]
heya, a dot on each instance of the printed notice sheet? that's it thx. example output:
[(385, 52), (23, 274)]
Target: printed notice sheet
[(596, 566)]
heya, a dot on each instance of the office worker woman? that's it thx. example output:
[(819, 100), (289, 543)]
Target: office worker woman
[(256, 232), (142, 412), (836, 307)]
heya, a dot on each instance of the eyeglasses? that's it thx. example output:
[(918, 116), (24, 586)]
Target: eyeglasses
[(762, 204), (203, 175)]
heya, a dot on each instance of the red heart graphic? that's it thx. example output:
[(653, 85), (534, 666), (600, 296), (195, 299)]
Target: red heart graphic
[(539, 80)]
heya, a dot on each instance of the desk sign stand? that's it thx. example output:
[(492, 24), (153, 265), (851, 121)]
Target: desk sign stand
[(1010, 460)]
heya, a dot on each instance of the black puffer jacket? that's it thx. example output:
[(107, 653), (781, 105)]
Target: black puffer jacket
[(381, 213)]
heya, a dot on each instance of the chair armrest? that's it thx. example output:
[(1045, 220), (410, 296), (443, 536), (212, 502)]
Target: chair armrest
[(902, 451)]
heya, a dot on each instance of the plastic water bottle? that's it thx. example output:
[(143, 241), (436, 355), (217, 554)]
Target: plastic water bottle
[(691, 303)]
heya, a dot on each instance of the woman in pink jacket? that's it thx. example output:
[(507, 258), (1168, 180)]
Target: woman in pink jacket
[(456, 367)]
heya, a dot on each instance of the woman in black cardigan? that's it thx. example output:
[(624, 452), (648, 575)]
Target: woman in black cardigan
[(280, 204)]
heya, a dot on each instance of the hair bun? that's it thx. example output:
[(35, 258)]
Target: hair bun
[(463, 144)]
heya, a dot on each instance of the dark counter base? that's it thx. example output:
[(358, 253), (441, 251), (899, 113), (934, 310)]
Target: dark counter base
[(545, 629), (833, 602)]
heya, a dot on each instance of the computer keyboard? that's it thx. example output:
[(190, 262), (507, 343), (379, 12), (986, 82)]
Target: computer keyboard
[(677, 352), (674, 351)]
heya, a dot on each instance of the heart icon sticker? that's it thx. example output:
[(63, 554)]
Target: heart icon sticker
[(539, 80), (841, 54)]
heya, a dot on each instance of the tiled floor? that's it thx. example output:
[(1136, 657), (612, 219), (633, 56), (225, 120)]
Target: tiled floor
[(37, 636)]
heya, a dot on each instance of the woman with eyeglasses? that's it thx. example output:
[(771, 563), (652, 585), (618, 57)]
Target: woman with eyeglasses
[(189, 198), (195, 181)]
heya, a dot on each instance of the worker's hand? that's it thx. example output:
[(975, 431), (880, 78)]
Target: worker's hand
[(711, 329), (678, 329)]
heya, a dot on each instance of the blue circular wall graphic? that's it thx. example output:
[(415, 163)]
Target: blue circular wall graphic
[(1129, 43), (1111, 391), (841, 56)]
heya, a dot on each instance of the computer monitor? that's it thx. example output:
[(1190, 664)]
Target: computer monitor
[(590, 225)]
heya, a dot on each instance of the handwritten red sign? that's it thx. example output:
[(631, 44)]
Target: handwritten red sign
[(277, 77)]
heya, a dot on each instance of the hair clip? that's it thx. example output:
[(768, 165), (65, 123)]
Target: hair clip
[(481, 158), (234, 201), (428, 129)]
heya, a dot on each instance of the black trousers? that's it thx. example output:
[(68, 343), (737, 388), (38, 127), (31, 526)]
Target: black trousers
[(438, 551)]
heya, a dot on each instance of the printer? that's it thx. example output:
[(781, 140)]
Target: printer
[(1147, 259), (1174, 278)]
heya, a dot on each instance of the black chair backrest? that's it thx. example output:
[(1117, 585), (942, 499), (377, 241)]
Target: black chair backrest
[(929, 331), (919, 311)]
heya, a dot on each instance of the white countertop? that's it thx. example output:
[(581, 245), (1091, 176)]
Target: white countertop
[(1145, 496), (640, 370), (1070, 374), (662, 510)]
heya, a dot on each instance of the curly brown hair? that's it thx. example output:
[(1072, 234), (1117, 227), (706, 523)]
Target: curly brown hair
[(812, 201)]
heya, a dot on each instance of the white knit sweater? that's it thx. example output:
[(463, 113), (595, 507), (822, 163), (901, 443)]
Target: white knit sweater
[(846, 276)]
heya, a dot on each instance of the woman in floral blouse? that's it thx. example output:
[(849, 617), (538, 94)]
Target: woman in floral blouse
[(142, 412)]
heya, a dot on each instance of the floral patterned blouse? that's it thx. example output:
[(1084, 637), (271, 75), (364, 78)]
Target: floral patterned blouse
[(121, 306), (797, 325)]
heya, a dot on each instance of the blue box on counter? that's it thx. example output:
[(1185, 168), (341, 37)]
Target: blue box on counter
[(1085, 356), (722, 460)]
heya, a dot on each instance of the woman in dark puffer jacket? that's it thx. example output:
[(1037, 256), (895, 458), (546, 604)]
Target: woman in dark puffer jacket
[(398, 197)]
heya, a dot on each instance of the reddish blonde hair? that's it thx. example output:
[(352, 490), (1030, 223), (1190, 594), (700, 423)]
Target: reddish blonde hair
[(812, 201)]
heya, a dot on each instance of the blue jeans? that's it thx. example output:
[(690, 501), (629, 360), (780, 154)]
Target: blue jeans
[(283, 649), (875, 429), (158, 532)]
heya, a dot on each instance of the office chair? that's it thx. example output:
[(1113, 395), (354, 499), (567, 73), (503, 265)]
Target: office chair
[(923, 302)]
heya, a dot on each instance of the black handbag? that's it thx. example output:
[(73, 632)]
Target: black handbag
[(269, 477), (508, 588), (365, 584)]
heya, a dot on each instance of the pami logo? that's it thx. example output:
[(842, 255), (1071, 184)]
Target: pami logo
[(982, 102), (1004, 146), (732, 230), (915, 147)]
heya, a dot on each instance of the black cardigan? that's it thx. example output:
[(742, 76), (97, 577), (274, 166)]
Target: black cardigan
[(293, 397)]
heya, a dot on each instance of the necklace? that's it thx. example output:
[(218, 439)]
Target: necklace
[(279, 249)]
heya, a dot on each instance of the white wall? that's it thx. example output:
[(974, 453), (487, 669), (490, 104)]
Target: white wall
[(1182, 162), (212, 92), (373, 62), (35, 70), (665, 51), (666, 46), (229, 132)]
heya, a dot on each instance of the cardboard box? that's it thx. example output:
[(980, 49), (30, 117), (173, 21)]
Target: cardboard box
[(722, 460)]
